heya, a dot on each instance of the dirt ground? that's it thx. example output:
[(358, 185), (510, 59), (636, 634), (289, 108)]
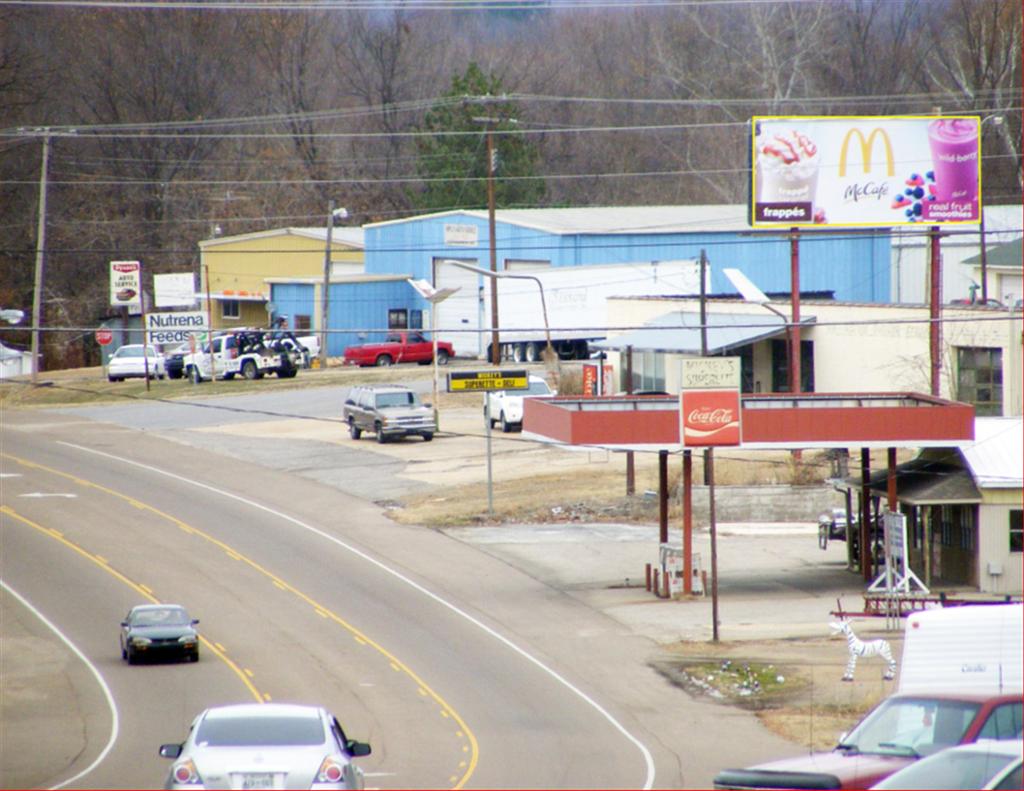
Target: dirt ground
[(813, 705)]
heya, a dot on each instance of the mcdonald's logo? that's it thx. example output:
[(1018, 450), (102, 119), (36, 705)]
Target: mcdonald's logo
[(866, 146)]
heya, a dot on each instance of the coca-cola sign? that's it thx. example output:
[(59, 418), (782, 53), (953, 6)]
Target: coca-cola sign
[(710, 418)]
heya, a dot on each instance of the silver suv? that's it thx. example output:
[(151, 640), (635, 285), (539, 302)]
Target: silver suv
[(388, 411)]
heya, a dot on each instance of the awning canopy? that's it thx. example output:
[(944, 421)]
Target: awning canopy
[(240, 296), (679, 332), (923, 482)]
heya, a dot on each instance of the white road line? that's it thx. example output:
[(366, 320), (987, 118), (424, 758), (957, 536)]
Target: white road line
[(114, 722), (648, 760)]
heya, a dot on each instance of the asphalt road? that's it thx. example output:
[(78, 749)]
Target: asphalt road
[(460, 669)]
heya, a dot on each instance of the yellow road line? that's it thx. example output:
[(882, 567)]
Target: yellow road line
[(396, 664), (142, 590)]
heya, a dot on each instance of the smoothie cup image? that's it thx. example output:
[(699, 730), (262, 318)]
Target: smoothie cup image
[(787, 168), (954, 145)]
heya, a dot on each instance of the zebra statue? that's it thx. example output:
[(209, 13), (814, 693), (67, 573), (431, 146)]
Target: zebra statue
[(859, 648)]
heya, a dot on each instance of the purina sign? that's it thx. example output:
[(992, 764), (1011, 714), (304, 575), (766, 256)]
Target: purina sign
[(709, 402)]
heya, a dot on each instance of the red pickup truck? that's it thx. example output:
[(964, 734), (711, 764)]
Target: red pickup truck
[(399, 347)]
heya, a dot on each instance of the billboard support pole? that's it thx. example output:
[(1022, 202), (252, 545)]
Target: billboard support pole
[(935, 312), (794, 331)]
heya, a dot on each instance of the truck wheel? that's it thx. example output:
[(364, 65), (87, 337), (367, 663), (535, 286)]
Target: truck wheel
[(532, 352), (249, 370), (353, 430), (517, 352), (427, 437), (384, 360), (194, 375), (381, 439), (506, 427), (229, 375), (442, 357)]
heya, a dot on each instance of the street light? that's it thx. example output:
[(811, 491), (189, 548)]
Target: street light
[(341, 214), (543, 303), (435, 296)]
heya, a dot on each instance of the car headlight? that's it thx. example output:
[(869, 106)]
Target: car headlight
[(187, 639), (136, 640)]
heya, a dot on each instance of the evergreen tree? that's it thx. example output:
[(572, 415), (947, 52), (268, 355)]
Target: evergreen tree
[(455, 165)]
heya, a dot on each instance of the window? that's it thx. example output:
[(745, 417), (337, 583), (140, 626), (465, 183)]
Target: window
[(398, 319), (1003, 723), (1017, 530), (980, 379), (229, 309), (648, 371), (415, 319), (780, 366), (303, 322)]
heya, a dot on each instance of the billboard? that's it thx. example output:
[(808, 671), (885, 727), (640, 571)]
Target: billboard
[(865, 170), (709, 402)]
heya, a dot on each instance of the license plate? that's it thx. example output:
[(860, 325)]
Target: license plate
[(263, 780)]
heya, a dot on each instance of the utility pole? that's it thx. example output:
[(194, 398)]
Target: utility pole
[(495, 340), (37, 290), (325, 310)]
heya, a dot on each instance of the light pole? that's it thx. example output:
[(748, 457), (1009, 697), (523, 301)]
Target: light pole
[(435, 296), (997, 120), (543, 303), (341, 214)]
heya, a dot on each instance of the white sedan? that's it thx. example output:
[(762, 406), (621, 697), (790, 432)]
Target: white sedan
[(265, 745), (129, 361)]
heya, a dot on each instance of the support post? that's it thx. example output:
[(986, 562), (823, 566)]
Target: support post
[(495, 339), (865, 515), (663, 496), (795, 374), (325, 287), (710, 461), (687, 522), (630, 469), (935, 313)]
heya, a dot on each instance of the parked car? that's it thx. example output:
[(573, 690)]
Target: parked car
[(984, 764), (389, 411), (265, 745), (832, 526), (174, 359), (151, 630), (131, 362), (399, 347), (506, 406)]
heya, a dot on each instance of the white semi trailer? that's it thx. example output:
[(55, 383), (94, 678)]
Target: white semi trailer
[(576, 299)]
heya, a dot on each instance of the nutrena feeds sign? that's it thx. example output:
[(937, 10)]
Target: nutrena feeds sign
[(709, 402), (865, 170)]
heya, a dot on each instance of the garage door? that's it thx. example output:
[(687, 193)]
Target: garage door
[(461, 311)]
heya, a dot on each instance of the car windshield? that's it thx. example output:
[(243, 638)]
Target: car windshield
[(164, 616), (951, 769), (385, 400), (911, 726), (260, 731), (538, 388), (133, 351)]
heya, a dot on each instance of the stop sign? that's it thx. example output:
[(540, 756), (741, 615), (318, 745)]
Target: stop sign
[(103, 337)]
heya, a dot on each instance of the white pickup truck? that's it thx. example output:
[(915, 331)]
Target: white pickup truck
[(249, 353), (506, 406)]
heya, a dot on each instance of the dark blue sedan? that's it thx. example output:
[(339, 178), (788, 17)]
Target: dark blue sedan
[(159, 630)]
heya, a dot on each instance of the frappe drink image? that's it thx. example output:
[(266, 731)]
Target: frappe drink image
[(787, 168), (954, 145)]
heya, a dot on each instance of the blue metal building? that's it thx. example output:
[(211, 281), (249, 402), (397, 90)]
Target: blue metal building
[(855, 266)]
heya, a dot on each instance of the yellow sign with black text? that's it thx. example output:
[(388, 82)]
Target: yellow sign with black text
[(466, 381)]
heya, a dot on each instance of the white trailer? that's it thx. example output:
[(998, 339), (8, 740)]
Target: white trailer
[(575, 297)]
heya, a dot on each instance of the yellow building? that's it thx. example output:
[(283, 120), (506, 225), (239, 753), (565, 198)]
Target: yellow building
[(236, 271)]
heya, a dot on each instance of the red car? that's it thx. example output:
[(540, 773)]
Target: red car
[(399, 347), (898, 731)]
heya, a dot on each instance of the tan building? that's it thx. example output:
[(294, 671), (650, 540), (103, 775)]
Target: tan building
[(236, 271), (846, 347)]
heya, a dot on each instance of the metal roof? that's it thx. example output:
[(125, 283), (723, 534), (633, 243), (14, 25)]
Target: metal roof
[(1009, 255), (996, 457), (729, 218), (344, 235), (678, 332)]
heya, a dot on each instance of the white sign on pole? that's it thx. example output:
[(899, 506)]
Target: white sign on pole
[(126, 284), (175, 290)]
